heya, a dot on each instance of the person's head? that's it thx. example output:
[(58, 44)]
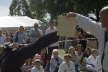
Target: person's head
[(78, 47), (36, 26), (67, 58), (104, 17), (37, 56), (55, 53), (37, 63), (94, 52), (88, 51), (21, 28), (71, 50)]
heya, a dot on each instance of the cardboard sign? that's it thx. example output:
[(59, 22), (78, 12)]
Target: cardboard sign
[(91, 44), (66, 26)]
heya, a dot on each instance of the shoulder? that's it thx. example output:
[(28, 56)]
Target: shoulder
[(72, 62), (90, 57), (32, 29), (63, 63), (52, 59), (33, 68)]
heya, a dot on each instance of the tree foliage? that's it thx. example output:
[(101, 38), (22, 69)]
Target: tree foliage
[(20, 8), (57, 7), (38, 8), (88, 6)]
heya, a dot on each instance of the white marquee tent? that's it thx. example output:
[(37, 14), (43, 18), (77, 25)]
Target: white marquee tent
[(13, 22), (16, 21)]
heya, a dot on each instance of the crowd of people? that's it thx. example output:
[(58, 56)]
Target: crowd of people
[(24, 37), (76, 58)]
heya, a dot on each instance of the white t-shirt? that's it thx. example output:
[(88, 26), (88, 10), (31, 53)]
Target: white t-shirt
[(92, 63), (64, 67), (34, 69)]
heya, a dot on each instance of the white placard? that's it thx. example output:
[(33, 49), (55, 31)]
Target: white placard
[(66, 26)]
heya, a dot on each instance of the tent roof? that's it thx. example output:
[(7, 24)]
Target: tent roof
[(16, 21)]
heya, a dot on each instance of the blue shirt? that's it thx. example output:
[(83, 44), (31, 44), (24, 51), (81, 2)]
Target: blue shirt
[(21, 37), (34, 32)]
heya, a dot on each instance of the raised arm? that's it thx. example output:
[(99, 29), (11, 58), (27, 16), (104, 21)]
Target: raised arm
[(36, 47), (13, 61), (32, 49), (87, 24)]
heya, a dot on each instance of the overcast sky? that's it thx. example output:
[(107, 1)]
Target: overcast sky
[(4, 7)]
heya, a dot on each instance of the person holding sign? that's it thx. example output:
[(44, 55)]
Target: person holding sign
[(100, 31)]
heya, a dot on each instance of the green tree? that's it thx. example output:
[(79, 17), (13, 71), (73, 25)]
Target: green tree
[(57, 7), (20, 8), (37, 9), (88, 6)]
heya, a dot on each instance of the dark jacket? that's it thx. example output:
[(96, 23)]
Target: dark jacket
[(13, 60)]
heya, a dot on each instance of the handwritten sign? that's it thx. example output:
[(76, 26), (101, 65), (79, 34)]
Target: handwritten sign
[(66, 26)]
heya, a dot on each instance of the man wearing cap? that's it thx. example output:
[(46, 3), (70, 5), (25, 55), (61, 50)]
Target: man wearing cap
[(37, 66)]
